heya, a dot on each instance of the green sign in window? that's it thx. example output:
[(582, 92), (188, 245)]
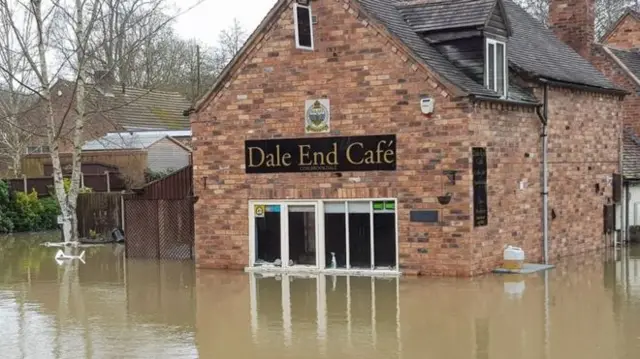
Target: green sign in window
[(382, 206)]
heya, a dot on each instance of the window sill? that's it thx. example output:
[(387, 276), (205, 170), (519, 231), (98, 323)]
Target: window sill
[(328, 271)]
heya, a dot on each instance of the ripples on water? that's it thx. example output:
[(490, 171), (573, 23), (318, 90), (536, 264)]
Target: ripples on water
[(588, 307)]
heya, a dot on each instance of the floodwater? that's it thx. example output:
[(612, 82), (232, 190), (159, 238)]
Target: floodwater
[(588, 307)]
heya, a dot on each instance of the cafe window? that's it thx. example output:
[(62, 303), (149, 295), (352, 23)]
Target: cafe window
[(324, 235)]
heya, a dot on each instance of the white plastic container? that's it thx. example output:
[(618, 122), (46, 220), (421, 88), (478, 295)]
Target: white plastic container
[(513, 258)]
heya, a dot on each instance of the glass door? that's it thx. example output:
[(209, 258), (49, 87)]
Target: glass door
[(301, 239), (267, 234)]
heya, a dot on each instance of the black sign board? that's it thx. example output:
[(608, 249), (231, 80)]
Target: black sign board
[(321, 154), (479, 167)]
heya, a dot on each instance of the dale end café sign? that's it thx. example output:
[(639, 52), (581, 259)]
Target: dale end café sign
[(321, 154)]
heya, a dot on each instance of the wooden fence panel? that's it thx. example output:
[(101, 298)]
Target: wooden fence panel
[(97, 183), (101, 212)]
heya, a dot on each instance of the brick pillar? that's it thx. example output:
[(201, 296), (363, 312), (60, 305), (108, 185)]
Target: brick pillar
[(573, 22)]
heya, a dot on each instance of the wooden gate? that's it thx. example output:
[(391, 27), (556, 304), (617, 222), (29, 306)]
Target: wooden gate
[(159, 219)]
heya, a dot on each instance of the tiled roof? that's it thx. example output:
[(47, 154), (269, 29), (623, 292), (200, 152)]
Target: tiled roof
[(390, 17), (446, 14), (631, 155), (125, 141), (533, 49), (136, 109), (630, 59)]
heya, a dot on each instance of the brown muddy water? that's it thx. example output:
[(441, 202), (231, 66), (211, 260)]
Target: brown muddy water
[(588, 307)]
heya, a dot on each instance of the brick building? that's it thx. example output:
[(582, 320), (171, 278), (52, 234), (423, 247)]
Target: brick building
[(394, 136), (617, 55)]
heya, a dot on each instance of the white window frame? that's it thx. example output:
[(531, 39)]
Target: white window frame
[(295, 22), (320, 266), (505, 68)]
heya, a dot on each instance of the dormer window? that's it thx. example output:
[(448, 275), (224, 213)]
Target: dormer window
[(496, 67), (303, 26)]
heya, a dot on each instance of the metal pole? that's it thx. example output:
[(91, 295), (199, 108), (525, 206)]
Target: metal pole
[(545, 178), (197, 71)]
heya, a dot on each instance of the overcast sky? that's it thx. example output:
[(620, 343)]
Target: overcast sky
[(205, 21)]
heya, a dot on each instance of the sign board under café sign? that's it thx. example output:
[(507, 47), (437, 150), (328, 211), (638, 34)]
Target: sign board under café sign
[(321, 154)]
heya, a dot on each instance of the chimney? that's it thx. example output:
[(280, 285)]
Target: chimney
[(573, 22), (104, 81)]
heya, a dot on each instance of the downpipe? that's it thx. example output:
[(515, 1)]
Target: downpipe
[(543, 115)]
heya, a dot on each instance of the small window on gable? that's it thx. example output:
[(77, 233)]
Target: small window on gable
[(496, 67), (303, 26)]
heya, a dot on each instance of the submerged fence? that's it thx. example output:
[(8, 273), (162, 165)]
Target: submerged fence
[(99, 212), (159, 228)]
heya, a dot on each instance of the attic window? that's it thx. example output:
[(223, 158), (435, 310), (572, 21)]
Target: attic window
[(496, 67), (303, 26)]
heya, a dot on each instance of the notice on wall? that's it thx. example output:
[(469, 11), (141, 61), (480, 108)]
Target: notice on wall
[(321, 154), (480, 206)]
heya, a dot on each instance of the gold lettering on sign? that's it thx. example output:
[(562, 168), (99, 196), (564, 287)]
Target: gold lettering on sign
[(332, 156), (261, 152), (304, 153), (273, 160), (349, 156), (286, 159)]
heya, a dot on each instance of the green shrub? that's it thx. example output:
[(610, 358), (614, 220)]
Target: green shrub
[(6, 224), (49, 215), (25, 212)]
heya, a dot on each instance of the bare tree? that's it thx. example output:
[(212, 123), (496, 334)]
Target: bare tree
[(15, 133), (70, 30)]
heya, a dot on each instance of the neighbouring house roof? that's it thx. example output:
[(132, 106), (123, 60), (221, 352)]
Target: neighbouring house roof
[(151, 109), (631, 155), (629, 61), (628, 12), (129, 140), (133, 108), (534, 52)]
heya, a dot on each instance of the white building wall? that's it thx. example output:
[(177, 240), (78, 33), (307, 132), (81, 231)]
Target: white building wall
[(166, 154), (634, 205)]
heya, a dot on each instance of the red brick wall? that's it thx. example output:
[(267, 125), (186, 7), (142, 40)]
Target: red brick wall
[(583, 142), (375, 89), (372, 91), (626, 35)]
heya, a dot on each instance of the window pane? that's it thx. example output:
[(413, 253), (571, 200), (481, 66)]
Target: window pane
[(384, 239), (302, 235), (500, 68), (267, 227), (335, 236), (491, 67), (303, 16), (359, 239)]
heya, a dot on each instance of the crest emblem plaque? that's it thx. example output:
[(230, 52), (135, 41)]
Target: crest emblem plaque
[(317, 116)]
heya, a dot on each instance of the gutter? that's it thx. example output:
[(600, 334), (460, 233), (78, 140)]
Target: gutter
[(544, 119), (476, 98), (580, 87)]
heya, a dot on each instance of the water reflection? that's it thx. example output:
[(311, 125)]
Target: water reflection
[(588, 307)]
